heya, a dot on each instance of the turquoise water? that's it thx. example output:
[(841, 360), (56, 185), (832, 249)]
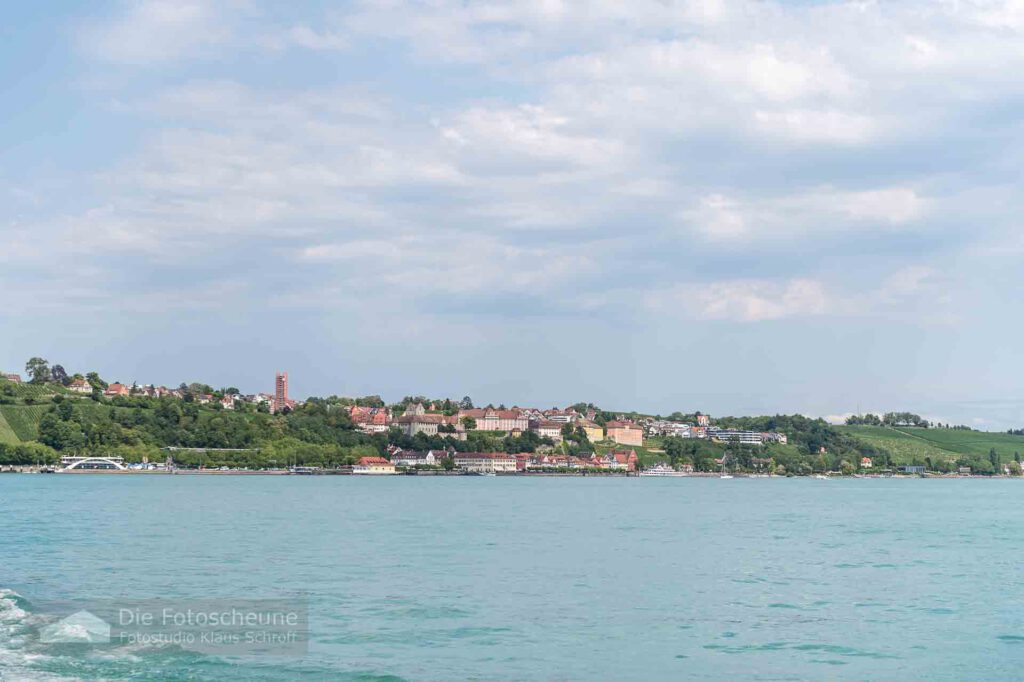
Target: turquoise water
[(539, 579)]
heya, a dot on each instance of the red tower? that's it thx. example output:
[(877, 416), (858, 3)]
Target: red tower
[(280, 391)]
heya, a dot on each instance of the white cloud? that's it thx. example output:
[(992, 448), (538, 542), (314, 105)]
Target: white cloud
[(154, 31), (744, 300)]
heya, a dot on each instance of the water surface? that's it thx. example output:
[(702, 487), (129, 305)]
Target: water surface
[(534, 578)]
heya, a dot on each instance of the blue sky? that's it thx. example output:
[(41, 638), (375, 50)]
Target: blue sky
[(738, 207)]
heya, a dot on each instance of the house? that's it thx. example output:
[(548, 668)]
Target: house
[(772, 437), (566, 416), (485, 462), (625, 433), (373, 465), (80, 386), (623, 459), (412, 458), (548, 429), (910, 469), (490, 419), (703, 420), (16, 378), (228, 402), (593, 430), (204, 398), (431, 424), (866, 463), (371, 419), (117, 389)]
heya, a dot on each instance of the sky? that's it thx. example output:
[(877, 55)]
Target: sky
[(735, 207)]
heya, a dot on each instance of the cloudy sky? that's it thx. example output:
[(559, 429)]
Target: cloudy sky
[(739, 207)]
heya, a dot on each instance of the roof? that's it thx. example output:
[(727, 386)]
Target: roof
[(481, 413), (365, 461), (483, 455), (621, 425)]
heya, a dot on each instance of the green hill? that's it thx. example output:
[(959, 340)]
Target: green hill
[(7, 434), (909, 444), (23, 420)]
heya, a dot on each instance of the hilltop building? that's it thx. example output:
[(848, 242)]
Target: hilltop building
[(625, 433)]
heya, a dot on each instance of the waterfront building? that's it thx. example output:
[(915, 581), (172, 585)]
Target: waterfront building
[(373, 465), (625, 433), (485, 462), (623, 459), (490, 419), (411, 458), (280, 392)]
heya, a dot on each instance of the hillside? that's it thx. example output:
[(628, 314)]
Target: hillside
[(908, 444)]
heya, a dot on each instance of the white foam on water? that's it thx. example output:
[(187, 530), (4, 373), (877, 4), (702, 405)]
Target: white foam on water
[(16, 662)]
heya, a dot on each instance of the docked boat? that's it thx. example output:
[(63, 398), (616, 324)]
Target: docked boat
[(662, 470)]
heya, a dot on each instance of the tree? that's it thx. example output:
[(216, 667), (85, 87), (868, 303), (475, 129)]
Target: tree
[(38, 369), (60, 376), (466, 403), (469, 423), (95, 381)]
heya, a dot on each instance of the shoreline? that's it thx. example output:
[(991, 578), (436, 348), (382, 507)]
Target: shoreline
[(432, 474)]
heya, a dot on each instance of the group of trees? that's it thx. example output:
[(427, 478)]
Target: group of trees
[(889, 419)]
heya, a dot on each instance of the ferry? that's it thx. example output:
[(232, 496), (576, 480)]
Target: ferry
[(662, 470)]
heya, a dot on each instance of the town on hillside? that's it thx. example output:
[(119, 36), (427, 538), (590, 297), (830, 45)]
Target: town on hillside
[(52, 416)]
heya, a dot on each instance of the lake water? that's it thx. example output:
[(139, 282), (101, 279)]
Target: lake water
[(533, 578)]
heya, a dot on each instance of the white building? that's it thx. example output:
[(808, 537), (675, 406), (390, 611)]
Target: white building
[(485, 462)]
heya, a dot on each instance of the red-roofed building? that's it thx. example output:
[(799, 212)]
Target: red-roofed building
[(370, 419), (117, 389), (80, 386), (373, 465), (624, 459), (490, 419), (625, 433)]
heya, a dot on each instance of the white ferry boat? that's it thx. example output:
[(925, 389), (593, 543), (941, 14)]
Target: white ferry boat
[(662, 470)]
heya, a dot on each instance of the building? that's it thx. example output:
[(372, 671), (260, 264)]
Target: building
[(485, 462), (910, 469), (373, 465), (773, 437), (412, 458), (566, 416), (370, 419), (16, 378), (865, 463), (80, 386), (741, 437), (280, 392), (703, 420), (431, 424), (490, 419), (623, 459), (625, 433), (548, 429), (593, 430), (117, 389), (228, 402)]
